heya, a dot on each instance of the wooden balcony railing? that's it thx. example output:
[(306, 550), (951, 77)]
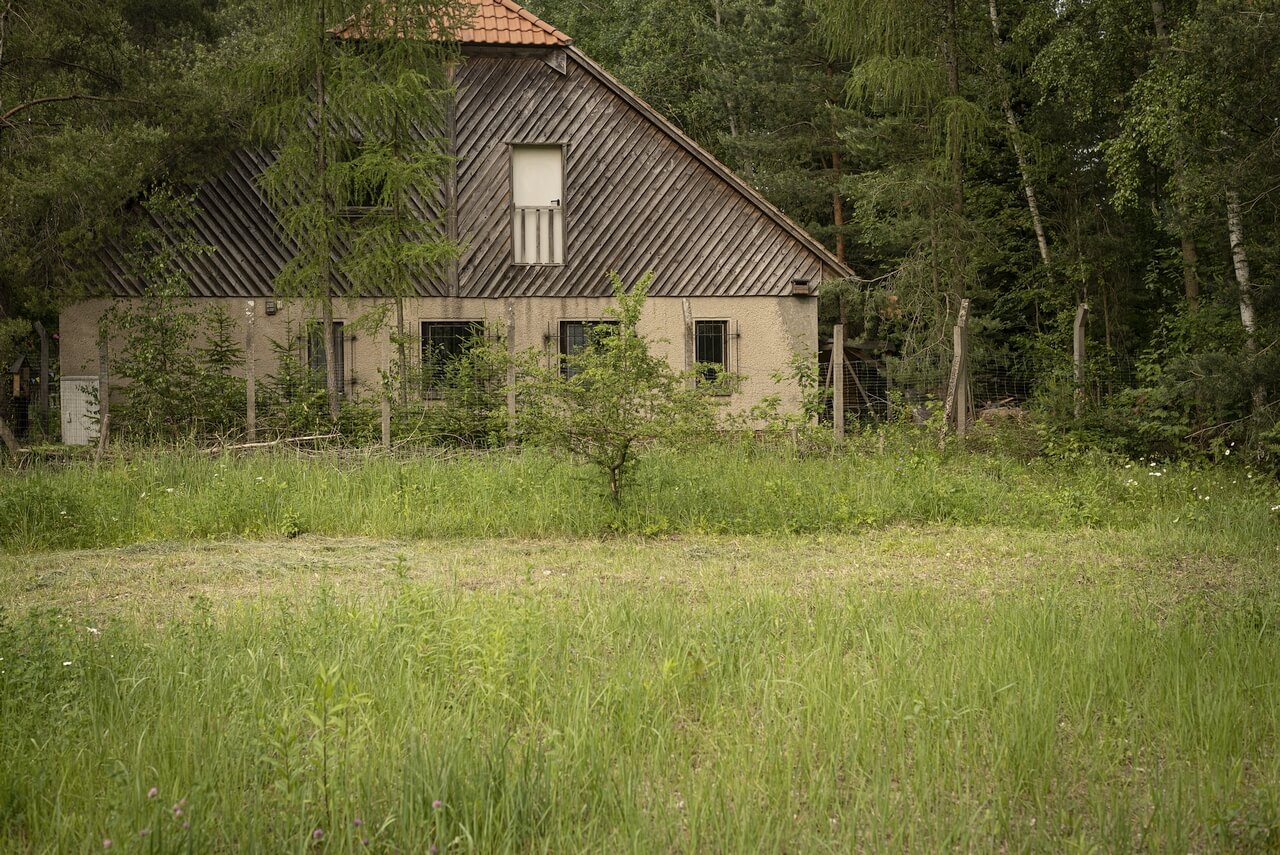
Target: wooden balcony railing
[(538, 235)]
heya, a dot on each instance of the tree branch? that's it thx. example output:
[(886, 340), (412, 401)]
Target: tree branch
[(6, 117)]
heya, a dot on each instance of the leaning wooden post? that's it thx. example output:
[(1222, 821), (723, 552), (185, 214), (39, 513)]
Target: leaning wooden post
[(1079, 356), (837, 381), (957, 401), (10, 441), (45, 379), (511, 370), (104, 391), (250, 377)]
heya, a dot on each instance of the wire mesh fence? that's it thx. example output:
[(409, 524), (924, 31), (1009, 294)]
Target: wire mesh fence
[(878, 386)]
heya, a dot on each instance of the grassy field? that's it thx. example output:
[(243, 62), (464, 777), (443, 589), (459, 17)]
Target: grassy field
[(1005, 657)]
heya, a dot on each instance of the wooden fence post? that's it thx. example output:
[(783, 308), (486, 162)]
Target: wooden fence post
[(10, 441), (837, 381), (959, 404), (388, 346), (1078, 356), (104, 390), (690, 343), (45, 379), (250, 377), (511, 370)]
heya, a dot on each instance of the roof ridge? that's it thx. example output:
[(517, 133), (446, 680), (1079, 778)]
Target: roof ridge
[(513, 6)]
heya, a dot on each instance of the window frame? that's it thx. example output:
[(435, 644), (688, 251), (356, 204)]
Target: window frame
[(478, 327), (353, 144), (313, 333), (718, 383), (588, 325), (512, 145)]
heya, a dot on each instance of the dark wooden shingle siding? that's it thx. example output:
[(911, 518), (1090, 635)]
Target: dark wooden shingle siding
[(635, 198)]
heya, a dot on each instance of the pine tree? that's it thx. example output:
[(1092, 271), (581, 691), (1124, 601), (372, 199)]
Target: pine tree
[(353, 95)]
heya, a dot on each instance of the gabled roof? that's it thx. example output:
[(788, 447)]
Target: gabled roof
[(503, 22), (488, 23), (730, 177)]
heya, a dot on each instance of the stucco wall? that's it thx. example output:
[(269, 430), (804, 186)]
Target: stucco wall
[(767, 332)]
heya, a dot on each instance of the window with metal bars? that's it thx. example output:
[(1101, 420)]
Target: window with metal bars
[(444, 343), (577, 336), (316, 358), (711, 353)]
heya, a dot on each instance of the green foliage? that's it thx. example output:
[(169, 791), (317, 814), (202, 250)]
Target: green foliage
[(176, 362), (291, 400), (355, 123), (886, 476), (614, 398), (98, 102)]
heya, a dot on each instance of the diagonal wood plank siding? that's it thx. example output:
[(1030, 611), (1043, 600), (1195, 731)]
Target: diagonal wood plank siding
[(635, 198), (638, 197)]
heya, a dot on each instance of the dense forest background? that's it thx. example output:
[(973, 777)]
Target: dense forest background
[(1027, 155)]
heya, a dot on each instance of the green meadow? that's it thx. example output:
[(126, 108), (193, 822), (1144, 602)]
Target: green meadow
[(757, 651)]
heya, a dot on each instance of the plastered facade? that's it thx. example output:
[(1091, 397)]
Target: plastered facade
[(764, 333)]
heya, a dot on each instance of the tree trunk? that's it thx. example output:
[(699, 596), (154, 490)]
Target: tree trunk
[(1240, 259), (837, 201), (330, 360), (326, 264), (1011, 119), (402, 353), (951, 51), (1190, 257)]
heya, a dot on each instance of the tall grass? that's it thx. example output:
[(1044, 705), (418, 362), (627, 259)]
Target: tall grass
[(625, 720), (715, 490)]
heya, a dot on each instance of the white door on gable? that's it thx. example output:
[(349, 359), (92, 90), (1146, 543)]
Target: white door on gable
[(537, 196)]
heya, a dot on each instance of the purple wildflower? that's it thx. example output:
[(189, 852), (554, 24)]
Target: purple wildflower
[(153, 792), (318, 834), (357, 822), (437, 804), (144, 832), (106, 843)]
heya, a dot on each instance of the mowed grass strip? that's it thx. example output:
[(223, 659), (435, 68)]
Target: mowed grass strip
[(909, 689)]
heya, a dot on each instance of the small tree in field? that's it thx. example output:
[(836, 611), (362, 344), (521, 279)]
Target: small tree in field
[(613, 398)]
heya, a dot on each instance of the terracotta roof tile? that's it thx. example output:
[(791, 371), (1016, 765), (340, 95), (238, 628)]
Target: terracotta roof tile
[(493, 22)]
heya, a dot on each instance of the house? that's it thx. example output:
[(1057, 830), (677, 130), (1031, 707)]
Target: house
[(563, 175)]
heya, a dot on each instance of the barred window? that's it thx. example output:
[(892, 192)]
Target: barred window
[(577, 336), (711, 349), (316, 358), (443, 344)]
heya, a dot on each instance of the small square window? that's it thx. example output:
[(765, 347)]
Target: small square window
[(360, 187), (443, 344), (577, 336)]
